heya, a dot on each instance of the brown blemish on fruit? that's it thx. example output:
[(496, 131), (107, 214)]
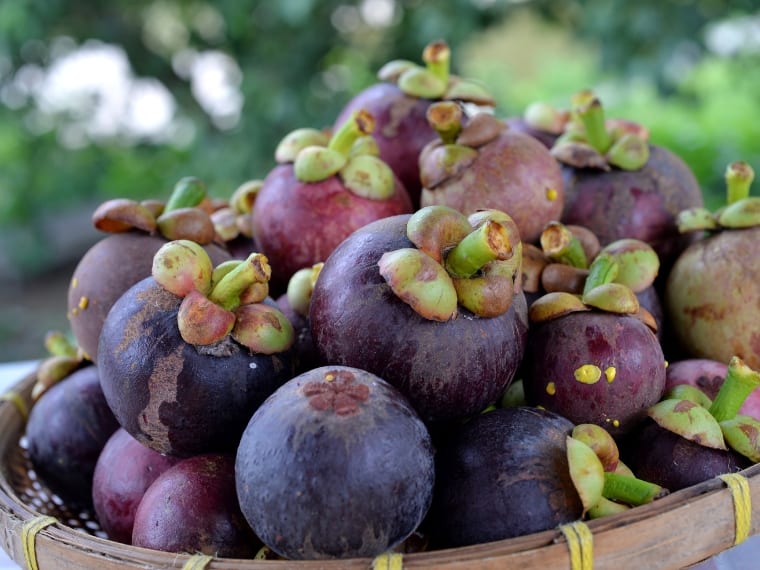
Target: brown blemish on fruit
[(338, 392), (162, 389), (683, 406), (398, 112)]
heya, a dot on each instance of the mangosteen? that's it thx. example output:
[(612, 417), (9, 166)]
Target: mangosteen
[(68, 427), (400, 102), (123, 472), (503, 474), (335, 464), (712, 292), (193, 507), (322, 190), (115, 263), (188, 354), (688, 440), (429, 302), (480, 163), (621, 186), (594, 357)]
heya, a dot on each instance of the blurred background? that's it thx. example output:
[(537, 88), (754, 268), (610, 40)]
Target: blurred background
[(122, 98)]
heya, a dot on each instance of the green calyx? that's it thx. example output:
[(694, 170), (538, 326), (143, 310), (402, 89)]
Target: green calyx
[(616, 273), (741, 209), (688, 412), (592, 141), (65, 357), (457, 146), (216, 300), (604, 484), (235, 219), (434, 80), (472, 262), (349, 153), (300, 287), (182, 217)]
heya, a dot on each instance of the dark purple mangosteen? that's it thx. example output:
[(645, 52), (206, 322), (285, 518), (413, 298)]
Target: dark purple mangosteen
[(188, 354), (335, 464), (429, 302)]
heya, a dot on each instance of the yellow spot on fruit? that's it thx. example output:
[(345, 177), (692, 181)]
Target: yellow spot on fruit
[(588, 374), (74, 282), (551, 194), (610, 373), (329, 377), (74, 312), (551, 388), (667, 364), (83, 302), (616, 423)]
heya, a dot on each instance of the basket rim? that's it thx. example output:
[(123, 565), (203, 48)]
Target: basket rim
[(705, 540)]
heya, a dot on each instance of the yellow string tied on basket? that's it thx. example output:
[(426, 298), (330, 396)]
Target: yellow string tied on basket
[(29, 537), (739, 487), (580, 542), (388, 561), (17, 400), (197, 562)]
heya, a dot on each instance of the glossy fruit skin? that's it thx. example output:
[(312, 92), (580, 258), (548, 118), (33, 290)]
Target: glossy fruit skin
[(347, 475), (104, 273), (401, 130), (298, 224), (502, 474), (671, 461), (172, 396), (641, 204), (712, 296), (513, 173), (125, 469), (448, 370), (623, 345), (193, 507), (66, 431)]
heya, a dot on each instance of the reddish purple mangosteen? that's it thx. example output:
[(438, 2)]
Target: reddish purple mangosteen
[(400, 102), (323, 189), (621, 186), (594, 357), (479, 163)]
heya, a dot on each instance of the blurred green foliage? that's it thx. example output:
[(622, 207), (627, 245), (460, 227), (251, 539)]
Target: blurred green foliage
[(301, 60)]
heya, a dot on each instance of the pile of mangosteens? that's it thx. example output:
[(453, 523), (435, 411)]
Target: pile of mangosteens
[(426, 327)]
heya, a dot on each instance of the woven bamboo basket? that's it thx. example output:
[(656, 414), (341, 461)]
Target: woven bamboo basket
[(679, 530)]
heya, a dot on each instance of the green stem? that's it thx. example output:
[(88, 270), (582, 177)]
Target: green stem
[(437, 58), (740, 381), (487, 243), (359, 124), (446, 118), (226, 293), (187, 193), (603, 269), (629, 490), (739, 177), (562, 246), (58, 344), (592, 116)]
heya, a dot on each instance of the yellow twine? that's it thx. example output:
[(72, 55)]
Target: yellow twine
[(739, 487), (16, 399), (580, 543), (388, 561), (197, 562), (29, 536)]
